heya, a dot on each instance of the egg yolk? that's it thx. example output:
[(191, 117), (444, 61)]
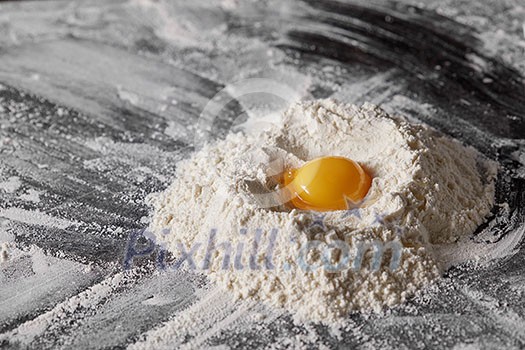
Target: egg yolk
[(327, 183)]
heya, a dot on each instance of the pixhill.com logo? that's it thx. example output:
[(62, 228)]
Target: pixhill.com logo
[(255, 250)]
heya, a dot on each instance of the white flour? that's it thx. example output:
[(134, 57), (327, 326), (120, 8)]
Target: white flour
[(427, 189), (11, 185)]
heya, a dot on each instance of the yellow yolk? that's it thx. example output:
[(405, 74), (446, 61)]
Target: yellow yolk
[(327, 183)]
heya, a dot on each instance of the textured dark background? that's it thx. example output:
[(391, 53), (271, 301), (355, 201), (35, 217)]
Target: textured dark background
[(98, 102)]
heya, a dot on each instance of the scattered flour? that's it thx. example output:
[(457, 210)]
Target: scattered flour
[(89, 299), (35, 217), (4, 252), (11, 185), (31, 195), (427, 189)]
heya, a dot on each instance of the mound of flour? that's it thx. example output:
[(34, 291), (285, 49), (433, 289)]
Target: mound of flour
[(427, 189)]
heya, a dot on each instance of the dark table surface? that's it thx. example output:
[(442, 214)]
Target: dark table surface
[(99, 100)]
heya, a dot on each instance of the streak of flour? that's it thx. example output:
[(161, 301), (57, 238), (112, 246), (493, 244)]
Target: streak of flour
[(78, 304), (196, 322), (216, 311), (31, 217), (35, 217), (11, 184)]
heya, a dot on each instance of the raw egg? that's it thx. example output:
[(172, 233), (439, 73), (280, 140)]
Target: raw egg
[(327, 183)]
